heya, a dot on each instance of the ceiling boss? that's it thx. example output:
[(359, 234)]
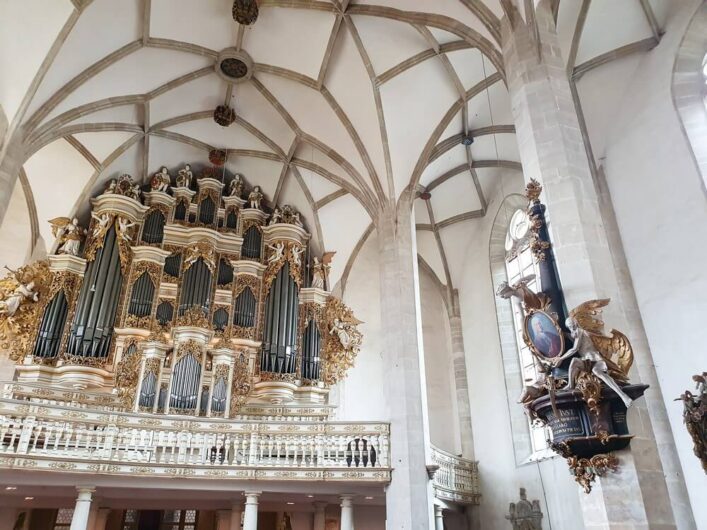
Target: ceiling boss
[(188, 296)]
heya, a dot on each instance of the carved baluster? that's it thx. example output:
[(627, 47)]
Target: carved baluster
[(253, 449)]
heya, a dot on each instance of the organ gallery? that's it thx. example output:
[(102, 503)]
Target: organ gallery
[(189, 295)]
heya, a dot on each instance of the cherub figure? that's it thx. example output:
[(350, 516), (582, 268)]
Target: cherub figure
[(135, 192), (297, 252), (235, 188), (22, 292), (276, 216), (592, 349), (124, 225), (255, 197), (161, 180), (100, 227), (184, 177), (69, 235), (110, 187), (296, 220), (347, 338), (278, 252)]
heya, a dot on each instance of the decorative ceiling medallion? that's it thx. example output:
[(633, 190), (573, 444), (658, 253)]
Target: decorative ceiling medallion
[(217, 157), (224, 115), (234, 66), (245, 11)]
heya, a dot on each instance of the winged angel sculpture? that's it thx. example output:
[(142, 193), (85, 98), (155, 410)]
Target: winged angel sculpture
[(594, 351)]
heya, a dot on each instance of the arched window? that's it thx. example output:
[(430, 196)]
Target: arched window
[(512, 259)]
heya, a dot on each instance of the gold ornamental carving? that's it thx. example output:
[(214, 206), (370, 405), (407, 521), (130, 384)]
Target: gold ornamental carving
[(24, 293), (127, 372), (279, 253), (246, 280), (195, 317), (152, 366), (242, 383), (189, 347), (585, 470), (341, 342), (202, 250)]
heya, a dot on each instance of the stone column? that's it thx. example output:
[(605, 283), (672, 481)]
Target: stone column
[(140, 377), (83, 506), (552, 152), (236, 515), (319, 519), (101, 519), (409, 495), (250, 518), (439, 518), (461, 384), (347, 515)]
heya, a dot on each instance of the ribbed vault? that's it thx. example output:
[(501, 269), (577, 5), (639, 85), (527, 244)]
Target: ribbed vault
[(350, 103)]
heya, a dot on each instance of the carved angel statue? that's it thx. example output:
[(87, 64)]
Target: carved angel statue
[(11, 303), (278, 252), (100, 227), (345, 332), (297, 252), (320, 270), (255, 197), (521, 291), (593, 349), (184, 177), (124, 225), (69, 235), (296, 220), (161, 180), (276, 216), (110, 187), (235, 188), (135, 192)]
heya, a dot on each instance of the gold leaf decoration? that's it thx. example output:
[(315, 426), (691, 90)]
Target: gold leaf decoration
[(24, 293), (342, 340)]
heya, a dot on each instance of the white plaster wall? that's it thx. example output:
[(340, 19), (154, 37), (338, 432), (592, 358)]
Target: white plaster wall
[(661, 210), (361, 396), (501, 476), (15, 231), (441, 406)]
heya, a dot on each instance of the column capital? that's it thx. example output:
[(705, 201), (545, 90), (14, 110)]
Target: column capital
[(85, 492), (346, 500), (251, 497), (320, 506), (439, 510)]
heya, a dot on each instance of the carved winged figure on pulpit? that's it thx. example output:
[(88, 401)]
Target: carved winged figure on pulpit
[(593, 351)]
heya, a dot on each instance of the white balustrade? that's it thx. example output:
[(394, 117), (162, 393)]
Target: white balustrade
[(64, 438), (456, 479)]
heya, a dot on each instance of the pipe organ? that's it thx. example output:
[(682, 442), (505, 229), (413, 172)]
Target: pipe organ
[(188, 299)]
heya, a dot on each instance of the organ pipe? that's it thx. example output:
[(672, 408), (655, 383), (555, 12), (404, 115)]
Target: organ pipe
[(280, 336), (244, 309), (148, 391), (142, 294), (153, 229), (207, 209), (51, 327), (196, 289), (185, 383), (92, 326), (310, 351)]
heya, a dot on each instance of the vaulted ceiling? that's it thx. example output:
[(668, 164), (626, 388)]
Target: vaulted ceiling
[(350, 103)]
